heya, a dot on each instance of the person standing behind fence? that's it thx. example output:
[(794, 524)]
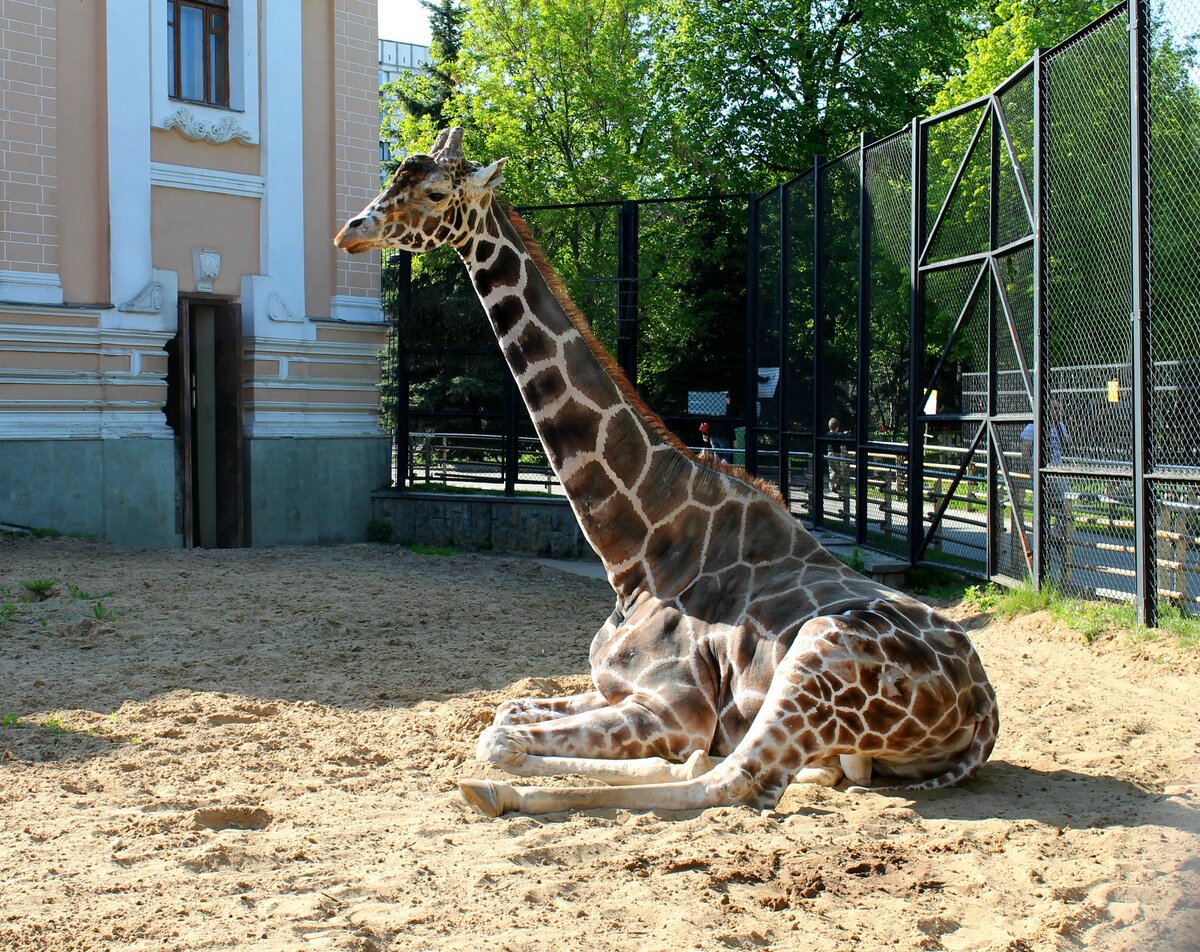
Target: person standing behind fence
[(718, 434), (1057, 505)]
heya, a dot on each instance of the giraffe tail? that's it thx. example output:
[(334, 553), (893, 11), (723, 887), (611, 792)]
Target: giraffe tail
[(987, 727)]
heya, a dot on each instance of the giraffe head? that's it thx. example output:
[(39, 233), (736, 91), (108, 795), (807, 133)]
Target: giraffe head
[(432, 200)]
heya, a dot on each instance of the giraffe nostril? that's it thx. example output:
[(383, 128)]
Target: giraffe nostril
[(356, 222)]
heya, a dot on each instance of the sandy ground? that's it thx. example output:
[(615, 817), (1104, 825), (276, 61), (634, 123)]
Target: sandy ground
[(258, 750)]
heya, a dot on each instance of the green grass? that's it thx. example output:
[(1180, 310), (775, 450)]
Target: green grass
[(12, 721), (56, 725), (934, 582), (7, 610), (442, 550), (1091, 619), (39, 588)]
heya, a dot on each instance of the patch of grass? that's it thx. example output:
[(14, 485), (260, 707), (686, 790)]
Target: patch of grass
[(983, 598), (103, 614), (7, 610), (431, 549), (56, 725), (46, 533), (12, 721), (80, 595), (1186, 628), (934, 582), (39, 588), (379, 531)]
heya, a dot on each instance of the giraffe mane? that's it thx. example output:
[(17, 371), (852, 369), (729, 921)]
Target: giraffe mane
[(577, 318)]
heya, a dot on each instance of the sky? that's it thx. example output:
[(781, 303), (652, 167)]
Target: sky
[(404, 20)]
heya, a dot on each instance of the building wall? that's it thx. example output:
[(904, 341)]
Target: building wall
[(82, 164), (29, 224), (84, 443)]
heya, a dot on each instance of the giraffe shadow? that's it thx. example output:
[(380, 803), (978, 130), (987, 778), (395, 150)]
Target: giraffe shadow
[(1060, 797)]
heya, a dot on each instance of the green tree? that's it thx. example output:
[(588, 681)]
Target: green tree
[(415, 103)]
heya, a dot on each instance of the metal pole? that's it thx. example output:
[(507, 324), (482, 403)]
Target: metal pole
[(862, 409), (1041, 340), (1139, 158), (993, 507), (512, 444), (916, 350), (817, 492), (627, 289), (401, 422), (753, 237), (784, 291)]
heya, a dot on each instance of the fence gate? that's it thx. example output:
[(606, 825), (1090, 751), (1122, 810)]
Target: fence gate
[(974, 298)]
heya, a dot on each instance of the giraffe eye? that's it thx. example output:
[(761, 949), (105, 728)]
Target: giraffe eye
[(436, 196)]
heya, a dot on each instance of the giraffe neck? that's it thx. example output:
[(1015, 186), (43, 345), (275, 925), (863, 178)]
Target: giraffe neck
[(598, 436)]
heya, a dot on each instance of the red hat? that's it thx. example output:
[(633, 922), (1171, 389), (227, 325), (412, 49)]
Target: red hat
[(704, 427)]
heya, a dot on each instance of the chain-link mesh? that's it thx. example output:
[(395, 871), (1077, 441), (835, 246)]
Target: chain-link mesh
[(1087, 416), (768, 321), (837, 380), (887, 174), (798, 419), (1174, 297), (1177, 543)]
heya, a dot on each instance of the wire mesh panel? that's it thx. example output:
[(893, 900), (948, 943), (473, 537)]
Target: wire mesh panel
[(768, 344), (580, 241), (1087, 416), (798, 414), (957, 283), (835, 380), (691, 309), (887, 176), (1174, 294)]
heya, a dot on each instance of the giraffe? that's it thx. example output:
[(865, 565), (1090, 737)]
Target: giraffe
[(740, 655)]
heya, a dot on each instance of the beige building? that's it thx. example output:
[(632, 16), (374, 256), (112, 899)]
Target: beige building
[(184, 357)]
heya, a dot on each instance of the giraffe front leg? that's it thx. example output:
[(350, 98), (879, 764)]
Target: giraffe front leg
[(630, 730), (617, 772), (534, 710)]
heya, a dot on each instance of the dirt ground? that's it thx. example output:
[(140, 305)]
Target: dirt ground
[(258, 749)]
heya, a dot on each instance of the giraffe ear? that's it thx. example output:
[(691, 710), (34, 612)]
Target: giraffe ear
[(488, 177)]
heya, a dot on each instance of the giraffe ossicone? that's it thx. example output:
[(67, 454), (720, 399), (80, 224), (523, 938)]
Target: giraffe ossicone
[(740, 655)]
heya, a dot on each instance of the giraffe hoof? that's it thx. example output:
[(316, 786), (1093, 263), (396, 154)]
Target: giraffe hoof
[(483, 796)]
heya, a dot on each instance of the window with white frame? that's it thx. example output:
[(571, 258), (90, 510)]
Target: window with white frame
[(206, 67), (198, 51)]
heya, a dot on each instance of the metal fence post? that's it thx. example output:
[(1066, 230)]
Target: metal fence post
[(817, 491), (1139, 158), (754, 237), (512, 443), (862, 409), (1041, 349), (992, 505), (916, 350), (402, 399), (784, 310), (627, 289)]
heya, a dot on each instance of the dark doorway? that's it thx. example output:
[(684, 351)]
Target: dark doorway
[(204, 407)]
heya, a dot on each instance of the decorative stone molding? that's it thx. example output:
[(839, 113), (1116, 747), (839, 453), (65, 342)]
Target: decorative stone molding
[(207, 264), (222, 130), (277, 310), (149, 300), (195, 179)]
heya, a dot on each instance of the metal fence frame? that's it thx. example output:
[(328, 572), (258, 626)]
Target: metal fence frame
[(1030, 361)]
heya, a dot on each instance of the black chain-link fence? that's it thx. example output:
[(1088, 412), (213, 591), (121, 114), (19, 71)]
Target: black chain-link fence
[(975, 342), (1013, 358), (663, 287)]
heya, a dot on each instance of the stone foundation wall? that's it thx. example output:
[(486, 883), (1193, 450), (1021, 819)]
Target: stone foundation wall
[(521, 526)]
